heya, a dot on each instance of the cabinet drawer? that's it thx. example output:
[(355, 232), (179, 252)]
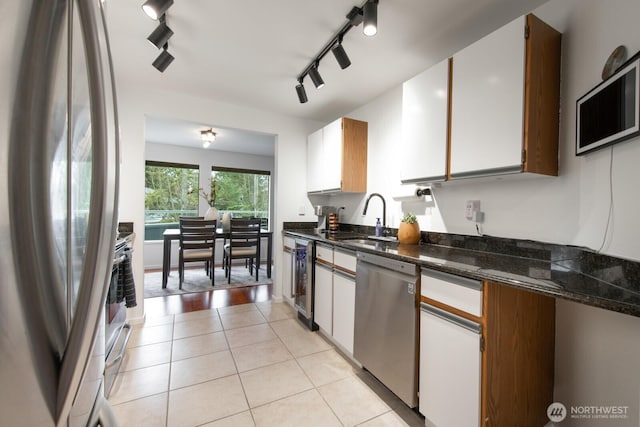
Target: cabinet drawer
[(289, 242), (325, 253), (346, 260), (455, 291)]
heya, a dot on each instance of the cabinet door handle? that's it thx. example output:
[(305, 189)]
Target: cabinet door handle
[(452, 318)]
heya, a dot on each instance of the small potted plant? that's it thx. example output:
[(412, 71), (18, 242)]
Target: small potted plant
[(409, 230)]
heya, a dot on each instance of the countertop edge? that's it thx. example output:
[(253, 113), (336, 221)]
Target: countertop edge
[(544, 287)]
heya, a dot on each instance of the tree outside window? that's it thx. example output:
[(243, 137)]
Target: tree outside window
[(243, 193), (167, 196)]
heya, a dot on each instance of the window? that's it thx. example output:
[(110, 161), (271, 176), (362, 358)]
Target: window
[(167, 196), (243, 193)]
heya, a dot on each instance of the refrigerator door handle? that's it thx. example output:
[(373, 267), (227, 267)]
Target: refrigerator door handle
[(39, 294), (101, 223)]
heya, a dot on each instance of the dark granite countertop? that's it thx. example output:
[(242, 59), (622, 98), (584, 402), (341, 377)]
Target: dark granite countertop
[(569, 272)]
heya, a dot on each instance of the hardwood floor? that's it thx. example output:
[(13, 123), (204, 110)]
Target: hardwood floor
[(184, 303)]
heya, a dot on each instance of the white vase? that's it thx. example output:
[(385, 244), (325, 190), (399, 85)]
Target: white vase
[(226, 222), (212, 213)]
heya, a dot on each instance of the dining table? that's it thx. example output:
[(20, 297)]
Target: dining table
[(171, 234)]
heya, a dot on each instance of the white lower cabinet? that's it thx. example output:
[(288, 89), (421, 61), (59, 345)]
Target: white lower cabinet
[(344, 303), (323, 298), (450, 370), (335, 295)]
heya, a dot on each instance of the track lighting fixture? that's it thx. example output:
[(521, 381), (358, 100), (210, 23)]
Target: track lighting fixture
[(302, 94), (370, 11), (341, 55), (161, 35), (163, 60), (156, 8), (367, 13), (316, 78)]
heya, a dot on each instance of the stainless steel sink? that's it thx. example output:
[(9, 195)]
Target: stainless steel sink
[(370, 242), (360, 241), (384, 238)]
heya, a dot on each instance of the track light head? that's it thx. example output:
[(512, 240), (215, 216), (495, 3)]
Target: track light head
[(302, 94), (163, 61), (341, 55), (370, 11), (156, 8), (316, 78), (161, 35)]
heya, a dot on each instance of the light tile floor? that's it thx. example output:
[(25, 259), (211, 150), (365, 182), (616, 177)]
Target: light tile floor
[(245, 365)]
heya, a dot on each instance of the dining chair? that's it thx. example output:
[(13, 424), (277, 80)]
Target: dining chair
[(207, 263), (197, 244), (243, 243)]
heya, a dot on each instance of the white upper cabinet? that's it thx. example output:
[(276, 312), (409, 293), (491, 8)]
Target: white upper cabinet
[(332, 168), (315, 160), (505, 102), (337, 157), (486, 131), (424, 125)]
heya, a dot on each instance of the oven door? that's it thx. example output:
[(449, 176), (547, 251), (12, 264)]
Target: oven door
[(117, 330), (115, 312)]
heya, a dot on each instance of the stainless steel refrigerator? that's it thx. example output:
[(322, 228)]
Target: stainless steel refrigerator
[(58, 208)]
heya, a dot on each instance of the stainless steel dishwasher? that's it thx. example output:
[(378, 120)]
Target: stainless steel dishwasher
[(386, 323)]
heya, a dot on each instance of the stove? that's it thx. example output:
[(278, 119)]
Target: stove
[(117, 330)]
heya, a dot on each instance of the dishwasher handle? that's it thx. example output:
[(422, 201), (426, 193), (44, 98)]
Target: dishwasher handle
[(388, 263), (452, 318)]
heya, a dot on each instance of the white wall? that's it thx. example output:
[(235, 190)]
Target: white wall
[(136, 102), (597, 352)]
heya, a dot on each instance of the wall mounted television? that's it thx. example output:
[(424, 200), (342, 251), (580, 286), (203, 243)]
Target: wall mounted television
[(608, 113)]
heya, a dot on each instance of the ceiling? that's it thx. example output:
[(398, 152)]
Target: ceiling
[(187, 134), (250, 52)]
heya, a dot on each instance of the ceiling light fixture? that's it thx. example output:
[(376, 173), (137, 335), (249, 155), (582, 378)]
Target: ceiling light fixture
[(370, 10), (341, 55), (316, 78), (163, 60), (156, 8), (207, 136), (302, 94), (355, 17), (161, 35)]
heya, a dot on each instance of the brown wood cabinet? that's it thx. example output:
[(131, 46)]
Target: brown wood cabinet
[(518, 358), (516, 350)]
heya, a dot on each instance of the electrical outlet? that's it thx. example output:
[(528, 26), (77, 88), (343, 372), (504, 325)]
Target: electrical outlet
[(472, 210)]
